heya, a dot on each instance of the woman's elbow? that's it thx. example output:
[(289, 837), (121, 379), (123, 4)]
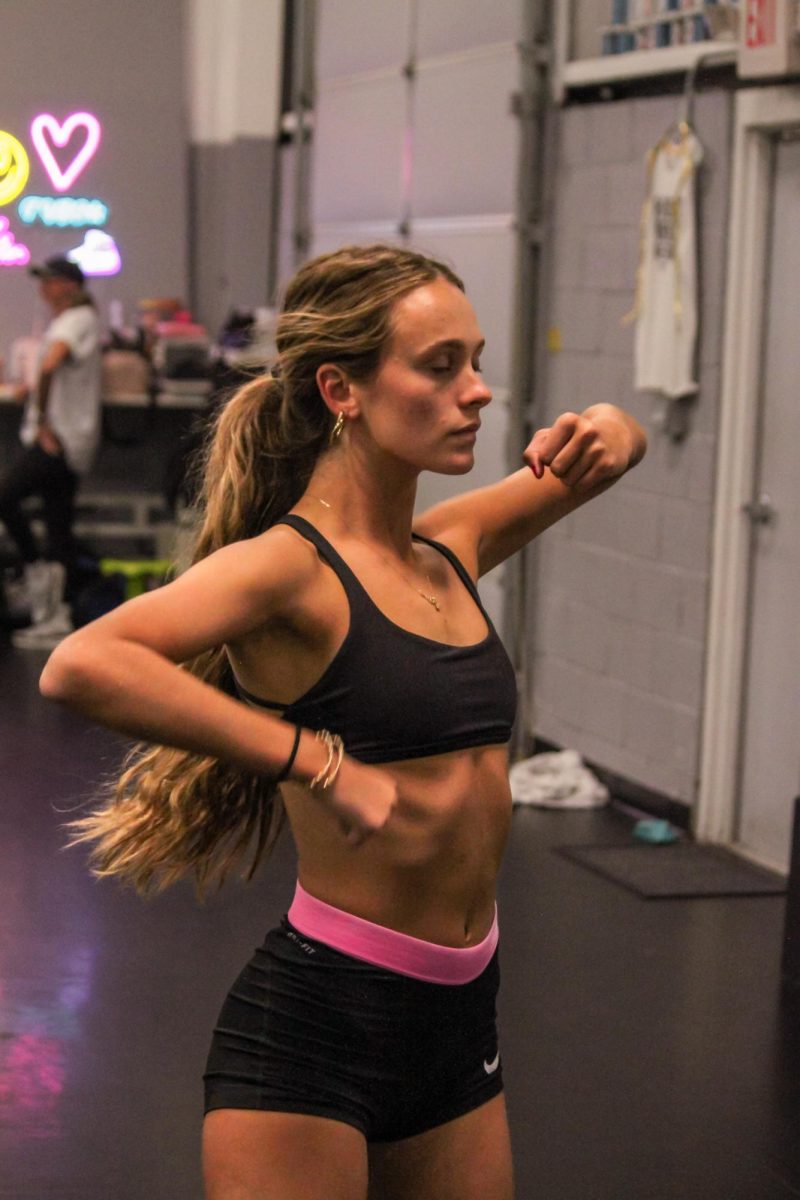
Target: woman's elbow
[(65, 672)]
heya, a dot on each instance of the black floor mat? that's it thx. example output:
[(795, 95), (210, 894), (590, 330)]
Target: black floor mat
[(683, 869)]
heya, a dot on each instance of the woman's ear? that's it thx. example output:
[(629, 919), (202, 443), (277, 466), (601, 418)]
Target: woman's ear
[(335, 388)]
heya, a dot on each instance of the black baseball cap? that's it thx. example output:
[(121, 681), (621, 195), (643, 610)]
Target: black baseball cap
[(58, 267)]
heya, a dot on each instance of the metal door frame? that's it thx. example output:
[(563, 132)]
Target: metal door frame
[(760, 115)]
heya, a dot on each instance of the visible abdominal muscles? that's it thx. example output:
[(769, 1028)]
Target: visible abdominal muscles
[(431, 872)]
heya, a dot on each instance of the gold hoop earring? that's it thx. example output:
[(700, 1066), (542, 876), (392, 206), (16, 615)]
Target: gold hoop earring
[(336, 432)]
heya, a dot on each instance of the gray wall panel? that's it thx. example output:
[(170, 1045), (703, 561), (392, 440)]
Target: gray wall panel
[(465, 138), (331, 237), (358, 35), (252, 178), (210, 274), (285, 250), (358, 150), (445, 26), (231, 186)]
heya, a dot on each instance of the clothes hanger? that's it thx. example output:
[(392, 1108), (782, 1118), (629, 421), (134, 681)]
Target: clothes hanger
[(678, 136), (680, 129)]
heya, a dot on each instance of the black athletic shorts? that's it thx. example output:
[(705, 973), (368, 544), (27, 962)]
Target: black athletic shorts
[(308, 1029)]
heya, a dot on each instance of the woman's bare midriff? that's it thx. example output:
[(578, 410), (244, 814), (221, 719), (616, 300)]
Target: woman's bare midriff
[(431, 872)]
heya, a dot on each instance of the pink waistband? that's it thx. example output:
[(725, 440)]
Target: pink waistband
[(387, 947)]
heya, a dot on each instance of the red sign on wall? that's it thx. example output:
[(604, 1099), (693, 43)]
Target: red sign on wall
[(759, 23)]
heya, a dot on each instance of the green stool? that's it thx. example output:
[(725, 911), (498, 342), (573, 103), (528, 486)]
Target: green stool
[(141, 574)]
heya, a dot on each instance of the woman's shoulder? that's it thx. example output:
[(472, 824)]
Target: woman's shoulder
[(282, 582), (238, 590), (277, 561)]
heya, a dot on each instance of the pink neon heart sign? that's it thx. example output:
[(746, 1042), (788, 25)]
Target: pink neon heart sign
[(46, 126)]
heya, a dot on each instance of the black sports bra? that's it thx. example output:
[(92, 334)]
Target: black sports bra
[(392, 694)]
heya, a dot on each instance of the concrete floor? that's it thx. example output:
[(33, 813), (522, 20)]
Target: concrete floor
[(647, 1054)]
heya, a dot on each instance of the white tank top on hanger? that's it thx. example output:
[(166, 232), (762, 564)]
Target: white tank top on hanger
[(666, 304)]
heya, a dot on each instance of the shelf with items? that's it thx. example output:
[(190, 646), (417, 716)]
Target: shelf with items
[(579, 34), (649, 25), (637, 64)]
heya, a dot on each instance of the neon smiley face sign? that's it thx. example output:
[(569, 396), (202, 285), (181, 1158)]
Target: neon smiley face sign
[(46, 129), (14, 167)]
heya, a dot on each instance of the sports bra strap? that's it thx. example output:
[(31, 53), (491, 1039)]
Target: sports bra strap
[(325, 548), (243, 694), (352, 586), (456, 564)]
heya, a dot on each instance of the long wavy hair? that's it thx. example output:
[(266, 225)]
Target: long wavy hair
[(172, 813)]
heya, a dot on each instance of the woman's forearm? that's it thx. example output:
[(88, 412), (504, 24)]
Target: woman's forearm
[(137, 691)]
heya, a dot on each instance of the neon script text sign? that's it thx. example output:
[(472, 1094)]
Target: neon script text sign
[(46, 133), (63, 211), (12, 252)]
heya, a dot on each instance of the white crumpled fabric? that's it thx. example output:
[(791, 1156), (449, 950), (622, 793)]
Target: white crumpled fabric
[(557, 779)]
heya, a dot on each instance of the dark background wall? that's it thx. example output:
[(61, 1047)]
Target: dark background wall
[(124, 63)]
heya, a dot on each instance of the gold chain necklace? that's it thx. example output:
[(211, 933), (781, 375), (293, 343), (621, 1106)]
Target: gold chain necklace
[(431, 599)]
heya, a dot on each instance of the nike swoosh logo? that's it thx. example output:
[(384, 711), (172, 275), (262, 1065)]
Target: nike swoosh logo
[(491, 1067)]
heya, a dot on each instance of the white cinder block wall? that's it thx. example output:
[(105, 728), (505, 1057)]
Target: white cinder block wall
[(620, 587)]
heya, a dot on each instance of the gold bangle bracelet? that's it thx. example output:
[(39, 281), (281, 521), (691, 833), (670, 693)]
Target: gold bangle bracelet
[(335, 747), (329, 782)]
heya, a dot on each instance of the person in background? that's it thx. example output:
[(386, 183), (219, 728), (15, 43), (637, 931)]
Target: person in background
[(59, 433)]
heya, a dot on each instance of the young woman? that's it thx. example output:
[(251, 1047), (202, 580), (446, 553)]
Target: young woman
[(338, 666)]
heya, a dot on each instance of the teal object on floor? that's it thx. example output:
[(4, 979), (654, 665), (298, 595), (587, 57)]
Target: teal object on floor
[(656, 831)]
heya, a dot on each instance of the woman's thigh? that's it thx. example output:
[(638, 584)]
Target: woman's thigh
[(250, 1155), (466, 1159)]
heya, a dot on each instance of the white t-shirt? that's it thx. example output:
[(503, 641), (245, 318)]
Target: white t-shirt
[(666, 327), (73, 407)]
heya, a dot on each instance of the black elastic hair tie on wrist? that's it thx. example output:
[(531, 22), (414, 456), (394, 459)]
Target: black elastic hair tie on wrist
[(298, 729)]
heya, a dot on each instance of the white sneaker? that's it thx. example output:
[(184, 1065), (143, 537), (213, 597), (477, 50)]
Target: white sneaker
[(44, 582), (58, 580), (45, 635), (37, 585)]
